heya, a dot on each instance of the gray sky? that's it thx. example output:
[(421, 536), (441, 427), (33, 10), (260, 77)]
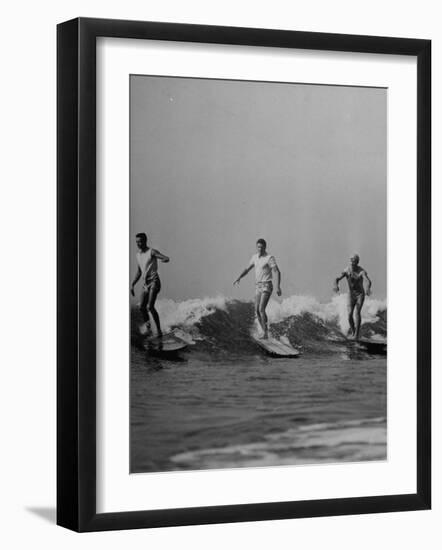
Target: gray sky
[(216, 165)]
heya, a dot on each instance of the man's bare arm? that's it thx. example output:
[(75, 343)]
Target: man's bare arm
[(243, 274), (336, 285), (367, 278), (134, 282), (278, 280), (161, 257)]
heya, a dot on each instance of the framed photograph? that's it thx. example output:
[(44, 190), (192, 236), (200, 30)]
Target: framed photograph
[(243, 274)]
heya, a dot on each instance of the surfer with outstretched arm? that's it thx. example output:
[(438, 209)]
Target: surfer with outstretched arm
[(147, 259), (355, 275), (264, 265)]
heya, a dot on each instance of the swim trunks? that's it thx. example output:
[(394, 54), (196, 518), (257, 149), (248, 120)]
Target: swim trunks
[(152, 284), (264, 286)]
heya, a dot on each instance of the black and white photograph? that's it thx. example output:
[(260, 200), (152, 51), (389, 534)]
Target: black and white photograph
[(224, 215), (258, 269)]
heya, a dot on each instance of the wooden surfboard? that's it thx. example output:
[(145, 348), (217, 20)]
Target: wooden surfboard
[(373, 346), (275, 347), (168, 343), (368, 345)]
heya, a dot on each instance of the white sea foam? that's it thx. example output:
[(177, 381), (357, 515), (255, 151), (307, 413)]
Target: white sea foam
[(189, 312), (336, 309), (341, 441)]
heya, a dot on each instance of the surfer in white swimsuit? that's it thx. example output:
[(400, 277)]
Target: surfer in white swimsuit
[(264, 265), (355, 275), (147, 259)]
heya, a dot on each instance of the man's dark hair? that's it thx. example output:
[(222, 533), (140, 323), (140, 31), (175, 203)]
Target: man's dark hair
[(141, 236), (262, 241)]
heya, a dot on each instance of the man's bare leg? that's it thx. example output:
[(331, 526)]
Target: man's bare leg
[(257, 310), (358, 308), (265, 297), (351, 307), (144, 298), (151, 308)]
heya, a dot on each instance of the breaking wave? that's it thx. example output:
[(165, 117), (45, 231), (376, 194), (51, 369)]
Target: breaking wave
[(226, 323)]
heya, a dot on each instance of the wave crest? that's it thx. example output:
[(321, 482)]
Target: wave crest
[(335, 310), (227, 323)]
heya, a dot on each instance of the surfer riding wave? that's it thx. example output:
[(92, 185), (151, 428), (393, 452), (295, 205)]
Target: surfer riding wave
[(147, 260), (264, 264), (355, 275)]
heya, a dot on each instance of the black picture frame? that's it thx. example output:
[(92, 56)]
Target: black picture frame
[(76, 274)]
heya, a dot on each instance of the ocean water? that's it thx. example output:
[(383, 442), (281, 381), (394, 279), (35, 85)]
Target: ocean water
[(223, 403)]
